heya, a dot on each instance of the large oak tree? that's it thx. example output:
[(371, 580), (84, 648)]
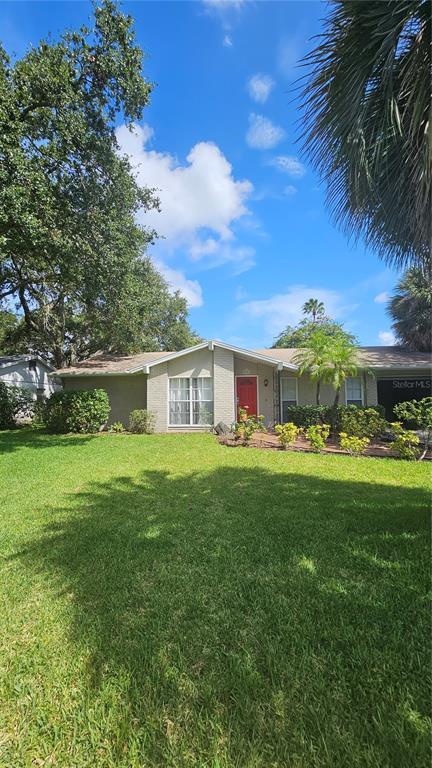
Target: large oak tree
[(71, 252)]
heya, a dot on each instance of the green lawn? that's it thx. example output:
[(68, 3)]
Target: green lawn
[(167, 601)]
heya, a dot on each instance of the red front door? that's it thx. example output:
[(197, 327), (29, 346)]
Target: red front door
[(247, 394)]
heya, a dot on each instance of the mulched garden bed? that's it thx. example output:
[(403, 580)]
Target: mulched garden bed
[(269, 441)]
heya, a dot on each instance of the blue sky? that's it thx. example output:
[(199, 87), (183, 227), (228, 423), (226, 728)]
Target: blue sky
[(247, 237)]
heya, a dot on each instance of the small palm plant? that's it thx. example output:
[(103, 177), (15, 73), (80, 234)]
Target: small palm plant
[(344, 362), (315, 359)]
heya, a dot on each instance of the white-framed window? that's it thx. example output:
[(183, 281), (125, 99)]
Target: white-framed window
[(354, 392), (191, 401), (288, 394)]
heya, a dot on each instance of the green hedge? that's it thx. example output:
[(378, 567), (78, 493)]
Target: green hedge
[(309, 415), (79, 411), (15, 402)]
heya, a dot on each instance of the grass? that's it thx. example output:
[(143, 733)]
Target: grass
[(167, 601)]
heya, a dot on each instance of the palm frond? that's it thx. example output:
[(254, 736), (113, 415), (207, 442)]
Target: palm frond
[(367, 107)]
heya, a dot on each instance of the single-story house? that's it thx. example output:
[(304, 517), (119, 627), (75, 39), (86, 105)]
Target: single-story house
[(198, 387), (29, 372)]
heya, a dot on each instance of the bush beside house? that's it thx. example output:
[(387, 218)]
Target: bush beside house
[(82, 411), (15, 403)]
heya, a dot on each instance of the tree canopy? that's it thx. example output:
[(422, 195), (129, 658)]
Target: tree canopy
[(411, 310), (367, 122), (314, 318), (71, 252)]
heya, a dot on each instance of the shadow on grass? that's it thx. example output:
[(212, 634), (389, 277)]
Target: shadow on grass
[(259, 619), (25, 437)]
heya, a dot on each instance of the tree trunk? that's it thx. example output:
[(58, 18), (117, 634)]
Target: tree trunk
[(333, 412), (318, 392)]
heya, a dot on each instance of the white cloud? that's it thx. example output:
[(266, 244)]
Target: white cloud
[(387, 338), (262, 133), (288, 56), (289, 165), (381, 298), (290, 190), (220, 5), (227, 41), (284, 309), (215, 253), (190, 289), (260, 87), (202, 193), (198, 196)]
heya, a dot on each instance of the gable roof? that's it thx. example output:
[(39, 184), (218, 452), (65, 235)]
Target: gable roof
[(120, 365), (102, 364), (6, 361), (116, 365)]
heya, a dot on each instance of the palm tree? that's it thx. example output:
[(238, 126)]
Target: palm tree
[(313, 307), (366, 104), (344, 362), (315, 358), (411, 310)]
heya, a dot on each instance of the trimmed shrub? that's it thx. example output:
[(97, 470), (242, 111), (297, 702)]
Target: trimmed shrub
[(306, 415), (83, 411), (309, 415), (406, 444), (361, 422), (142, 422), (287, 434), (354, 445), (317, 434), (15, 402)]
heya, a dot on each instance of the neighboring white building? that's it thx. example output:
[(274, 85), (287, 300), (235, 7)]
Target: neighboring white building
[(29, 372)]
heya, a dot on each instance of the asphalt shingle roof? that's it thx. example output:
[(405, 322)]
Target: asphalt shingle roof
[(372, 357)]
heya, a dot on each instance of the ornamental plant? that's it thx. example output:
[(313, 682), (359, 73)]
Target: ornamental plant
[(361, 422), (15, 403), (407, 443), (117, 427), (420, 413), (83, 411), (317, 435), (287, 434), (354, 445), (142, 422), (246, 426)]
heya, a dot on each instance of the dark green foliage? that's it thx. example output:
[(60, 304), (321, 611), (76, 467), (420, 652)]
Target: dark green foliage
[(361, 422), (315, 319), (417, 413), (367, 116), (80, 411), (411, 309), (308, 415), (8, 325), (70, 246), (299, 336), (14, 402), (142, 422)]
